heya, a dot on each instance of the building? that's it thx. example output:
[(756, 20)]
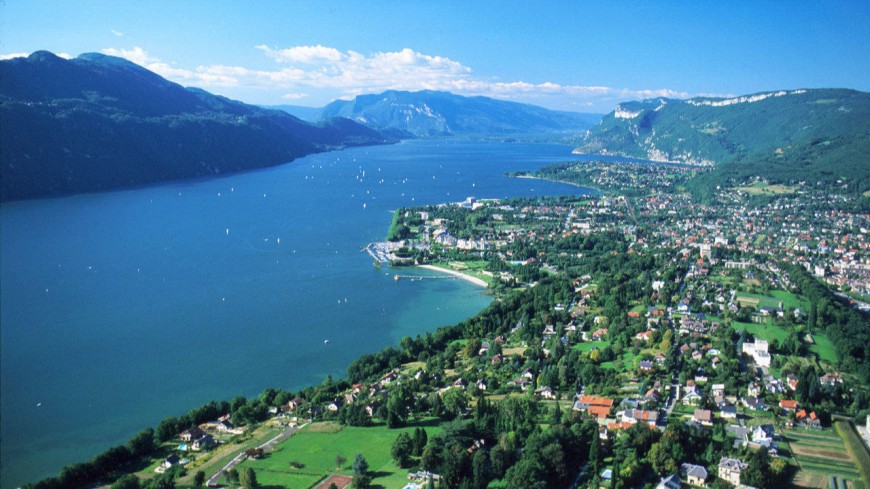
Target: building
[(695, 475), (670, 482), (703, 416), (730, 469), (758, 352)]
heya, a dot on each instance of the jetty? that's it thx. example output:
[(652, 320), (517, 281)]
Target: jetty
[(397, 277)]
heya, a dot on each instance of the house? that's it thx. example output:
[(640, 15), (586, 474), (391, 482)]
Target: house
[(810, 420), (389, 377), (583, 402), (601, 412), (653, 396), (192, 434), (695, 475), (646, 365), (636, 415), (168, 463), (691, 397), (670, 482), (762, 435), (788, 405), (754, 403), (546, 392), (335, 405), (295, 402), (792, 381), (599, 333), (831, 379), (728, 411), (496, 359), (703, 416), (203, 443), (718, 390), (730, 469), (644, 336)]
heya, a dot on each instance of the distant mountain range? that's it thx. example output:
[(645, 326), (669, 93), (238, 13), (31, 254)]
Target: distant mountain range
[(434, 114), (813, 135), (99, 122)]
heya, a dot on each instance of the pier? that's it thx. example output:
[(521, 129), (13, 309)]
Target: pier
[(397, 277)]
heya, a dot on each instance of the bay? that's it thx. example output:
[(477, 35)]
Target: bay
[(118, 309)]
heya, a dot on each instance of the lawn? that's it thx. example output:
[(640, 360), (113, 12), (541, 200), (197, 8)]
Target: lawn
[(588, 346), (767, 332), (824, 348), (314, 449), (789, 300), (761, 188)]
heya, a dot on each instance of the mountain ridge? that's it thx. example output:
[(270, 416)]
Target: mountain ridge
[(98, 122), (428, 113), (804, 134)]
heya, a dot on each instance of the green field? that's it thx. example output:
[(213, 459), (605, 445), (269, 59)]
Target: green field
[(767, 332), (824, 348), (588, 346), (315, 449)]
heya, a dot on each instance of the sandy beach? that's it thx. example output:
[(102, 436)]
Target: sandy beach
[(469, 278)]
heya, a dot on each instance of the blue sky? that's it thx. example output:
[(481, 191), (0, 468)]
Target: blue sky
[(580, 56)]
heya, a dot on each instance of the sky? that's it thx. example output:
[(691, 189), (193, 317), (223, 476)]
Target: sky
[(576, 56)]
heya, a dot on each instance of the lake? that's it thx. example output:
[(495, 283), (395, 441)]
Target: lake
[(118, 309)]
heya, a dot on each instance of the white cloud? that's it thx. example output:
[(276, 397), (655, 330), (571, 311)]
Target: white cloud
[(136, 55), (344, 74), (14, 55), (116, 33), (302, 54)]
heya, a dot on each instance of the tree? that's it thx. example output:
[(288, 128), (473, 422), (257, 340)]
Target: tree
[(401, 450), (247, 478), (340, 460), (142, 444), (129, 481), (199, 478), (361, 482), (360, 465), (420, 440)]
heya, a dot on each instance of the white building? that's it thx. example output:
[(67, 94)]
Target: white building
[(758, 352)]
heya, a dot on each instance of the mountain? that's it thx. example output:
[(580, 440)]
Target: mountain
[(427, 113), (309, 114), (819, 134), (99, 122)]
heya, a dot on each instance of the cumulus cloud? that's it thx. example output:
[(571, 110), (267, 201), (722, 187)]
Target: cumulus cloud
[(344, 74)]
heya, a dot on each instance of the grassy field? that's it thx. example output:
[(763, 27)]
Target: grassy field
[(824, 348), (819, 453), (767, 332), (765, 189), (588, 346), (314, 449)]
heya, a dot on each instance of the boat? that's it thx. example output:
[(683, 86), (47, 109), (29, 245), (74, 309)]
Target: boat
[(325, 342)]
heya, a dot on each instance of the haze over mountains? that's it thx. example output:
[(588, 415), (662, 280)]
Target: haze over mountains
[(429, 113), (98, 122)]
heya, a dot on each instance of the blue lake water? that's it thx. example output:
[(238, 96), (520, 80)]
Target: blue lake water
[(118, 309)]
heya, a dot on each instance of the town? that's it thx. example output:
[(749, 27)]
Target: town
[(636, 339)]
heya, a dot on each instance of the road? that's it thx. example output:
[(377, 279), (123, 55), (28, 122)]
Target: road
[(268, 446)]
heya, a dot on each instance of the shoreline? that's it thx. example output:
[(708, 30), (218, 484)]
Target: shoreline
[(463, 276), (532, 177)]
